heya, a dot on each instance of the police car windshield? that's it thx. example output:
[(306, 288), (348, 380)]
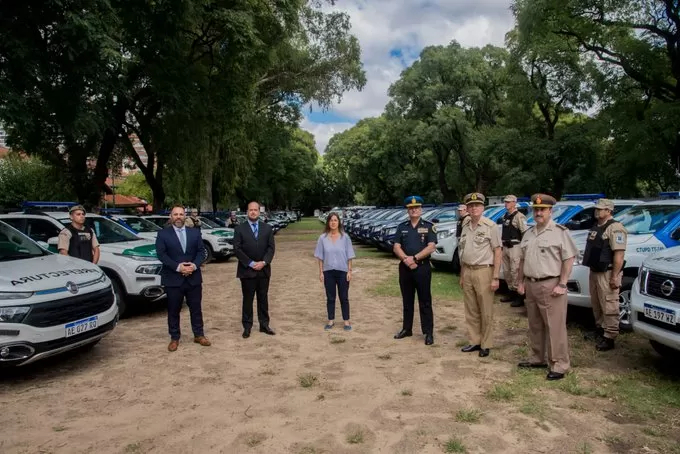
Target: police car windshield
[(557, 211), (16, 246), (491, 211), (107, 231), (141, 225), (647, 219)]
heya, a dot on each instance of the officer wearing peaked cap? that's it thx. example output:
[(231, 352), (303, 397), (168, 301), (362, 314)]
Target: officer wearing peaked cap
[(480, 259), (547, 257), (514, 224), (414, 242)]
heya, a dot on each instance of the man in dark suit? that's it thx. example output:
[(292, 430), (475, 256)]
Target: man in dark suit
[(254, 248), (181, 250)]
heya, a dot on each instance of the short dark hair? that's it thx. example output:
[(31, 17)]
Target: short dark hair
[(177, 205)]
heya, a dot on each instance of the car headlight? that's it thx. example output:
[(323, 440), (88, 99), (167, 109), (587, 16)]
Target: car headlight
[(392, 231), (13, 314), (139, 258), (149, 269), (578, 260), (445, 233), (642, 274)]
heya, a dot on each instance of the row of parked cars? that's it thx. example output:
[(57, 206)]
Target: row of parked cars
[(650, 293), (51, 303)]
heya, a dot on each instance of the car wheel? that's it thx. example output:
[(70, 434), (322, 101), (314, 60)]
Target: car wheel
[(120, 296), (455, 263), (625, 309), (208, 253), (665, 351)]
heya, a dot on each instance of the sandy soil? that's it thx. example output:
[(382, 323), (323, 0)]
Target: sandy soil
[(368, 393)]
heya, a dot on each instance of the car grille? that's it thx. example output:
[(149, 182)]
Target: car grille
[(656, 284), (70, 309)]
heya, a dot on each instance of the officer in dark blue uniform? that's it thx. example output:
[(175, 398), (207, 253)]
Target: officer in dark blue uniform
[(414, 242)]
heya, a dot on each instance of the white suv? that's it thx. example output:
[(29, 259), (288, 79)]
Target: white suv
[(128, 260), (49, 303), (655, 302)]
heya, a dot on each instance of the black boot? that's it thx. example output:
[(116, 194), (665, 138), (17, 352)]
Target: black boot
[(518, 302), (605, 344), (511, 296)]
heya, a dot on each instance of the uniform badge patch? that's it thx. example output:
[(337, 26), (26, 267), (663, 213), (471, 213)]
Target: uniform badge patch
[(618, 237), (422, 230), (434, 228)]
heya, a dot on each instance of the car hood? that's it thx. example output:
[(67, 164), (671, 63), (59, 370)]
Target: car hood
[(633, 240), (143, 248), (667, 260), (45, 273)]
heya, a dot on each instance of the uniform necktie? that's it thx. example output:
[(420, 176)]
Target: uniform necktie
[(255, 230), (183, 239)]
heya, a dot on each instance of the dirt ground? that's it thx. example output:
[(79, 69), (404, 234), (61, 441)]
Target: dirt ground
[(304, 390)]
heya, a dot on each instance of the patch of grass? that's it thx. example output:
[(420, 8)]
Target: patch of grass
[(58, 428), (444, 285), (406, 392), (501, 392), (355, 436), (516, 323), (461, 343), (448, 329), (652, 431), (369, 252), (584, 448), (308, 380), (385, 356), (571, 385), (534, 407), (268, 371), (645, 393), (454, 445), (305, 224), (338, 340), (521, 352), (468, 415), (133, 447), (255, 439), (297, 236)]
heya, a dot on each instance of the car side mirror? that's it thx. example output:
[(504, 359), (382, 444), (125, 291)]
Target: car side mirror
[(676, 234)]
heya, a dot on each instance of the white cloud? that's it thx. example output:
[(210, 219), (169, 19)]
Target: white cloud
[(324, 131), (409, 25)]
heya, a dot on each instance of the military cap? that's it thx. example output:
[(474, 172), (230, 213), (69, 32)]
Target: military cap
[(474, 197), (76, 208), (604, 204), (413, 201), (510, 198), (542, 201)]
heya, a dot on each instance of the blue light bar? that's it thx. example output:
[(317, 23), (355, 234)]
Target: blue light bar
[(524, 199), (35, 204), (670, 195), (583, 196)]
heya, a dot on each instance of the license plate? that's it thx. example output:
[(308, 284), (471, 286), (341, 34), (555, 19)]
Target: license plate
[(660, 313), (81, 326)]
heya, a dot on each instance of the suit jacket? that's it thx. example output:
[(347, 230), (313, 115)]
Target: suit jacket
[(169, 251), (247, 248)]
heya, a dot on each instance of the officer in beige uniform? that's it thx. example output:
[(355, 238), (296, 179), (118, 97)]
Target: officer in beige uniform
[(514, 225), (480, 260), (547, 256), (604, 254)]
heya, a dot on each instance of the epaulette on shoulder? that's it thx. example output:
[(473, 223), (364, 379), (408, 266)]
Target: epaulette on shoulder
[(467, 220), (425, 221), (488, 221), (560, 226)]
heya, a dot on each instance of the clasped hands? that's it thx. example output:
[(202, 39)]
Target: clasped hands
[(410, 261), (186, 268), (257, 266)]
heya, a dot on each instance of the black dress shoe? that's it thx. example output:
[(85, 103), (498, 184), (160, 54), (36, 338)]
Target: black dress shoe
[(517, 302), (484, 352), (267, 330), (605, 344), (530, 365), (429, 339), (509, 297), (554, 376), (403, 333), (470, 348), (246, 333)]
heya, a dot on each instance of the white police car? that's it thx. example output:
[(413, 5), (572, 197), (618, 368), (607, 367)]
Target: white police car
[(128, 260), (652, 227), (49, 303), (655, 302)]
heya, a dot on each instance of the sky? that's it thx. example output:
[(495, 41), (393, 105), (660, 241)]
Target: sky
[(392, 33)]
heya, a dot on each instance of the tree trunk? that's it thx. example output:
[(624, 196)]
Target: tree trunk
[(206, 203)]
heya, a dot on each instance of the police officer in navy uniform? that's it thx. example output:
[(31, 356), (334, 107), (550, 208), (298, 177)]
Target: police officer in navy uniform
[(413, 244), (77, 239)]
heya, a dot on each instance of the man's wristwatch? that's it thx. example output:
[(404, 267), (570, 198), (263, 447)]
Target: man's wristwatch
[(562, 285)]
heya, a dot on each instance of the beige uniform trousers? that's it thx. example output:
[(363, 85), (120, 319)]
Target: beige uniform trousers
[(478, 299), (511, 258), (605, 303), (547, 316)]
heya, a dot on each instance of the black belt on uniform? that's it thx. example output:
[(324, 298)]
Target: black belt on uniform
[(509, 244), (539, 279)]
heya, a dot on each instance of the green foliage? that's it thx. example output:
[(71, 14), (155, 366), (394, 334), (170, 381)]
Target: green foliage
[(24, 179)]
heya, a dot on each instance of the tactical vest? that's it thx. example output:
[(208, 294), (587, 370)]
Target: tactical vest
[(80, 244), (459, 226), (598, 255), (511, 235)]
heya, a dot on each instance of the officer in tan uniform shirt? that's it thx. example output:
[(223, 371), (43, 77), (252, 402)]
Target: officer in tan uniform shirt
[(604, 254), (547, 257), (480, 260), (514, 225)]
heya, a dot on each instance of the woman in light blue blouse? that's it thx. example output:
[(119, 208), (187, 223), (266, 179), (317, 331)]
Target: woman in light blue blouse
[(335, 253)]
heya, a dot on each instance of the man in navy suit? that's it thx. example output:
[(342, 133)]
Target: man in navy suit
[(254, 248), (181, 249)]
